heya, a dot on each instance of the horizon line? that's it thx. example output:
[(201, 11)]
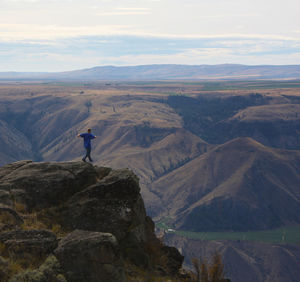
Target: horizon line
[(143, 65)]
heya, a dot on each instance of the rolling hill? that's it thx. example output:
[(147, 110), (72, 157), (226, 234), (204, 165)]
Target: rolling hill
[(245, 261), (209, 156), (273, 120), (135, 131), (166, 72), (239, 185)]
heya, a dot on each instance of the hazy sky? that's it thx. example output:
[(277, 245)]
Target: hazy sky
[(58, 35)]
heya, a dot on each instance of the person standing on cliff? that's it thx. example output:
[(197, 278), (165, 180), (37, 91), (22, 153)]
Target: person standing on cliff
[(87, 137)]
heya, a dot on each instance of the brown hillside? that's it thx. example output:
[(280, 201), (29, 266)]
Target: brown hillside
[(163, 156), (271, 113), (135, 131), (245, 261), (241, 185), (273, 125)]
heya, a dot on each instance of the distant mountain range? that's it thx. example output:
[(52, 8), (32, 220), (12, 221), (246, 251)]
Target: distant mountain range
[(164, 72)]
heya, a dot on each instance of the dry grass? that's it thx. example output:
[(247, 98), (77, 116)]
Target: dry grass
[(136, 274), (7, 219), (31, 222), (20, 207), (209, 272)]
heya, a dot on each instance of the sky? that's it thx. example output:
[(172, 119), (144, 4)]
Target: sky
[(62, 35)]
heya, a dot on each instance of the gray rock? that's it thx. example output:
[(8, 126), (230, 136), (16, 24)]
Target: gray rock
[(106, 203), (37, 243), (5, 198), (90, 256), (46, 184), (102, 171), (9, 218), (112, 205), (175, 259), (8, 169)]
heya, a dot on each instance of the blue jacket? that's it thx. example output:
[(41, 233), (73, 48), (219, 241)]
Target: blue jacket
[(87, 137)]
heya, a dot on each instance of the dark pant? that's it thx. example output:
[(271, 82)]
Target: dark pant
[(88, 154)]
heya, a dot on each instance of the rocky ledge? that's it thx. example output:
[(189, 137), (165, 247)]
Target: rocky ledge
[(76, 222)]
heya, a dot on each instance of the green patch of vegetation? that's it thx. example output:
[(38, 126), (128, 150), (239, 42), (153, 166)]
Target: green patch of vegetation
[(164, 223), (287, 234), (49, 271), (64, 83), (248, 85), (221, 85)]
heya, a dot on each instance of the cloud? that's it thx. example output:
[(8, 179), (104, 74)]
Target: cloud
[(132, 9), (198, 57), (50, 32), (88, 51), (123, 13), (126, 11), (224, 16), (32, 1), (15, 32)]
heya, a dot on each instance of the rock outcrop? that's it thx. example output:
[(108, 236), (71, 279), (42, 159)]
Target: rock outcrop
[(87, 256), (37, 243), (91, 218)]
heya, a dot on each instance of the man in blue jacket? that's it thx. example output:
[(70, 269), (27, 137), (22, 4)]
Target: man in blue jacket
[(87, 137)]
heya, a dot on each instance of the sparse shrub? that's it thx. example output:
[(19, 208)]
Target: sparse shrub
[(216, 269), (3, 250), (20, 207), (8, 268), (56, 229), (61, 278), (31, 222), (28, 276), (7, 218), (209, 272), (88, 104), (49, 271), (20, 267), (3, 269), (50, 217)]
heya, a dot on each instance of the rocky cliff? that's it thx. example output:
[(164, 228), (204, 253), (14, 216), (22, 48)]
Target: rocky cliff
[(73, 221)]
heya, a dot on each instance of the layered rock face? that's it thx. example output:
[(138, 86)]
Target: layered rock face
[(91, 218)]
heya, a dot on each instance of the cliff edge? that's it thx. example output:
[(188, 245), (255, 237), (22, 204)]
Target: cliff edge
[(72, 221)]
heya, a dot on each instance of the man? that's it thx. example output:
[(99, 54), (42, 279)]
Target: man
[(87, 137)]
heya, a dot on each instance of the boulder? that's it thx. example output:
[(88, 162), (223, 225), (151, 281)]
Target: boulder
[(90, 256), (9, 218), (174, 259), (46, 184), (5, 198), (9, 168), (112, 205), (35, 243)]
